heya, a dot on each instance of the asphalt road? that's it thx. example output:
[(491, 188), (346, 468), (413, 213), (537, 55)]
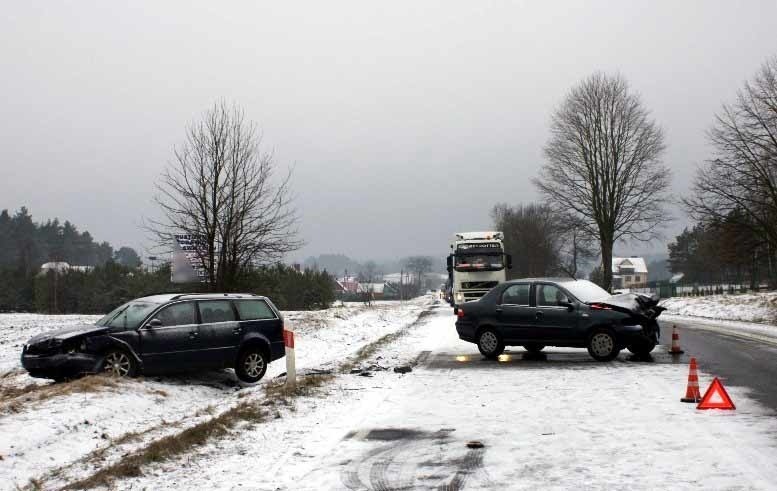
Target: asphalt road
[(735, 360)]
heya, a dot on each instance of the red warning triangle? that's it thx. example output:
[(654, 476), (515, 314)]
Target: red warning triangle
[(716, 397)]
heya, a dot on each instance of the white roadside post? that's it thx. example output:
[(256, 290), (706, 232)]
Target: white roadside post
[(291, 369)]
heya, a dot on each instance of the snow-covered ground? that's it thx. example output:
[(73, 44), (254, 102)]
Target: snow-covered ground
[(752, 316), (560, 422), (45, 426), (754, 307)]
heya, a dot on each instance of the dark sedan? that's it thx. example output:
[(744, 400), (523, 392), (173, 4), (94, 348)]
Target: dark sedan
[(539, 312), (165, 333)]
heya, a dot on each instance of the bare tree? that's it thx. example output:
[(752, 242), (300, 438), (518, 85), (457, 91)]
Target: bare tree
[(603, 165), (531, 236), (419, 265), (220, 188), (575, 246), (741, 177)]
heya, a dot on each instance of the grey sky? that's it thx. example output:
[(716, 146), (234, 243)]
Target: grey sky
[(406, 121)]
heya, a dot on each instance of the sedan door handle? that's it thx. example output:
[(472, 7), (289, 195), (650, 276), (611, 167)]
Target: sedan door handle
[(237, 330), (538, 315), (193, 334), (498, 310)]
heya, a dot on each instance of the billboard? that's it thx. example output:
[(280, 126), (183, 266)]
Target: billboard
[(187, 265)]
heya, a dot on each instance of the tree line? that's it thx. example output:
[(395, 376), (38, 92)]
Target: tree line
[(114, 277)]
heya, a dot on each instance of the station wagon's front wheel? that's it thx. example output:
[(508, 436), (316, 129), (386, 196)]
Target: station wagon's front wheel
[(490, 344), (251, 365), (119, 363), (602, 345)]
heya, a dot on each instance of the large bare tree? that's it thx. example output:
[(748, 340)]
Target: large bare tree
[(220, 188), (531, 236), (603, 165), (740, 180)]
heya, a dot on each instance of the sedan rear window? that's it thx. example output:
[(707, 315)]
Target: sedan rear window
[(254, 310)]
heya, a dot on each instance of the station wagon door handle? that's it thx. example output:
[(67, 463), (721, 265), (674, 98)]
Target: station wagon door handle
[(538, 315)]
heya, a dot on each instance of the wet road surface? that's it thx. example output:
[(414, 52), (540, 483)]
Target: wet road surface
[(735, 360)]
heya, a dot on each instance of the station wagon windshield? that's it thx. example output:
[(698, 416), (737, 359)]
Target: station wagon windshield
[(128, 316)]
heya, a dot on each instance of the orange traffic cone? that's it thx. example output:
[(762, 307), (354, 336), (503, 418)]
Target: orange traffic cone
[(675, 350), (692, 392)]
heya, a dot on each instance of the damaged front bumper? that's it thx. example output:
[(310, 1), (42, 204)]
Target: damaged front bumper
[(59, 365)]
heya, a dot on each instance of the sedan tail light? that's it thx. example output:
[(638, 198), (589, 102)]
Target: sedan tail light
[(460, 313)]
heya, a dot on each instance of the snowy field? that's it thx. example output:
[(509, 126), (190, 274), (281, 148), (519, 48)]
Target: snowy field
[(47, 429), (754, 307), (562, 421)]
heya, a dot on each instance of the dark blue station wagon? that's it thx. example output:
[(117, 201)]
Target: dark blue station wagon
[(164, 334)]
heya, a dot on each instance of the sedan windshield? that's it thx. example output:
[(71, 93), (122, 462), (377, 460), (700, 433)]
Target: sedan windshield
[(128, 316), (585, 291)]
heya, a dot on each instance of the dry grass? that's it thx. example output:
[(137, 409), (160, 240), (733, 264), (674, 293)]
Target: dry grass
[(170, 446), (15, 399)]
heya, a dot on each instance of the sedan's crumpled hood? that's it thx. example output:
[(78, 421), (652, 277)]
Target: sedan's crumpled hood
[(634, 304), (68, 333)]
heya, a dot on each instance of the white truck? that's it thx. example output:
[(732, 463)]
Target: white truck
[(477, 263)]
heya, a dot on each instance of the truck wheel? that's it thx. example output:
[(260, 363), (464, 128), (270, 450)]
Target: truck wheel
[(533, 348), (490, 344), (602, 345), (251, 364)]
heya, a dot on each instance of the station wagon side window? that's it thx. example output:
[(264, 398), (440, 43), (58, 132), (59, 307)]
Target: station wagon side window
[(516, 295), (213, 311), (250, 310), (549, 295), (177, 314)]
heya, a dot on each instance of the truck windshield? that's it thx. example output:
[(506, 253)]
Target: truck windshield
[(491, 261)]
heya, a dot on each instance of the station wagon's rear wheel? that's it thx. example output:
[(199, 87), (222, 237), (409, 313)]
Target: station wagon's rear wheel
[(490, 344), (602, 345), (251, 364), (119, 363)]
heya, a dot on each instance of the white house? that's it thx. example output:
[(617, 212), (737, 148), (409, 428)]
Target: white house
[(629, 272)]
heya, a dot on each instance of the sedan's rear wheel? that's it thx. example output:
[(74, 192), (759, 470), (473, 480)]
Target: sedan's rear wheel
[(602, 345), (490, 344), (119, 363)]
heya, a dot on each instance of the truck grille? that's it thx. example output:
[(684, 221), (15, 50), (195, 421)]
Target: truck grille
[(478, 285)]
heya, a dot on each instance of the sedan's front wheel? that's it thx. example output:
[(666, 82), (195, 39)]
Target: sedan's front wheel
[(119, 363), (490, 344), (602, 345)]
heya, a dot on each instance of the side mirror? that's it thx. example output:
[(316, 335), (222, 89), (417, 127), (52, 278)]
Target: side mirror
[(564, 302), (509, 261), (449, 262), (154, 323)]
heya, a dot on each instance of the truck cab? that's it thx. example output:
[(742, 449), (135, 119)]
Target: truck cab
[(476, 264)]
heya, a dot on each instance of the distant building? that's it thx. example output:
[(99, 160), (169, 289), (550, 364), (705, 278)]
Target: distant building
[(348, 284), (62, 267), (629, 272)]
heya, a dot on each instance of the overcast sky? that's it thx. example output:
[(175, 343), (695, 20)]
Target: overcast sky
[(405, 121)]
